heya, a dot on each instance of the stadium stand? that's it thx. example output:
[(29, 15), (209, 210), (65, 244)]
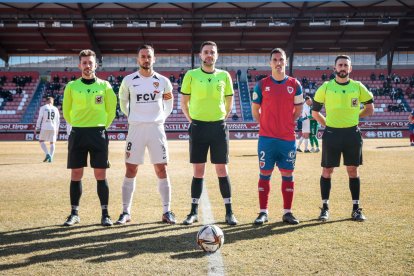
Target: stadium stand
[(17, 91)]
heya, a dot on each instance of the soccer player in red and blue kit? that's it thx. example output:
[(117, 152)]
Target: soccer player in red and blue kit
[(277, 104)]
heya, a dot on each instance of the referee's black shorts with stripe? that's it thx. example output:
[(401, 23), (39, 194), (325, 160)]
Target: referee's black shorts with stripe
[(345, 141), (209, 135), (84, 140)]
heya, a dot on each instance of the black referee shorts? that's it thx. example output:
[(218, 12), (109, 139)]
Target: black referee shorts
[(84, 140), (345, 141), (209, 135)]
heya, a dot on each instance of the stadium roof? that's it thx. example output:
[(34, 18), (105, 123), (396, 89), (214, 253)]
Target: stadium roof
[(65, 27)]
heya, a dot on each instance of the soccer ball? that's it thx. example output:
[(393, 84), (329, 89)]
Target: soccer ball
[(210, 238)]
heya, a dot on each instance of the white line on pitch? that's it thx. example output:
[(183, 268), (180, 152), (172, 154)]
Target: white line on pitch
[(215, 260)]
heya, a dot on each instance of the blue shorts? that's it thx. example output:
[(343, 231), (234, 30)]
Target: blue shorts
[(411, 127), (273, 151)]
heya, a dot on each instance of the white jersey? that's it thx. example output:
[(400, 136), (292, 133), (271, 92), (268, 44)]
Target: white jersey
[(306, 112), (145, 97), (49, 118)]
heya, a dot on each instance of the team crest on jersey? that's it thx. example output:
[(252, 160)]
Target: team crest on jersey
[(290, 89), (354, 102), (267, 88), (156, 84), (98, 100)]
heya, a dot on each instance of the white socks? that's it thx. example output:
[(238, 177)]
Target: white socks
[(52, 149), (128, 188), (306, 143), (44, 148), (164, 188), (300, 142)]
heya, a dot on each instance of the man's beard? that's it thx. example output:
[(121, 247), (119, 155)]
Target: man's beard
[(88, 72), (145, 66), (342, 74), (208, 63)]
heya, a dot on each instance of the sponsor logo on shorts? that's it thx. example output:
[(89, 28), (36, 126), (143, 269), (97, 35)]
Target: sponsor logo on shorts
[(98, 99), (292, 154), (262, 164), (127, 154)]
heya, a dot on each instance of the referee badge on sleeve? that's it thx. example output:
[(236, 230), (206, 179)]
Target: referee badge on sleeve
[(98, 99)]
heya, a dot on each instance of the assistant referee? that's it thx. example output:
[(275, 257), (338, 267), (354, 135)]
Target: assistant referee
[(89, 105), (342, 98)]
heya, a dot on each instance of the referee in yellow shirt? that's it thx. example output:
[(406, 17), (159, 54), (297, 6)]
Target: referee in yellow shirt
[(342, 98), (207, 99), (89, 106)]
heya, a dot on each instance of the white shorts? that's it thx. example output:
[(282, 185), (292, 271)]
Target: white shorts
[(47, 135), (146, 135), (306, 126)]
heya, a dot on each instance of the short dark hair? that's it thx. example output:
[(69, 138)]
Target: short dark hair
[(212, 43), (146, 46), (342, 57), (307, 98), (87, 53), (277, 50), (50, 99)]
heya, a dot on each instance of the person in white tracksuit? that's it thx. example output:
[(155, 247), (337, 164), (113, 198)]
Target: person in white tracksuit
[(305, 118), (48, 122)]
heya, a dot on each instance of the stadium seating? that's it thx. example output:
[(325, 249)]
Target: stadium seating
[(12, 111)]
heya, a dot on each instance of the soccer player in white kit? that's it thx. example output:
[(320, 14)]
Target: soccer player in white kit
[(146, 98), (305, 118), (48, 122)]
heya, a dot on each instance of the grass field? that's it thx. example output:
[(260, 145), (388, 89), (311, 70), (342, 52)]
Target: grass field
[(34, 202)]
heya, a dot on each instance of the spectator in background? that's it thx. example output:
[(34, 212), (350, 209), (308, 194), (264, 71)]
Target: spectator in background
[(56, 78), (48, 122), (19, 90), (249, 76), (411, 127), (305, 119), (409, 92), (3, 80), (373, 77), (397, 79), (324, 77)]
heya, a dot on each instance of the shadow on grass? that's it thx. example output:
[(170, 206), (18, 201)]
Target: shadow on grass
[(250, 231), (97, 244)]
